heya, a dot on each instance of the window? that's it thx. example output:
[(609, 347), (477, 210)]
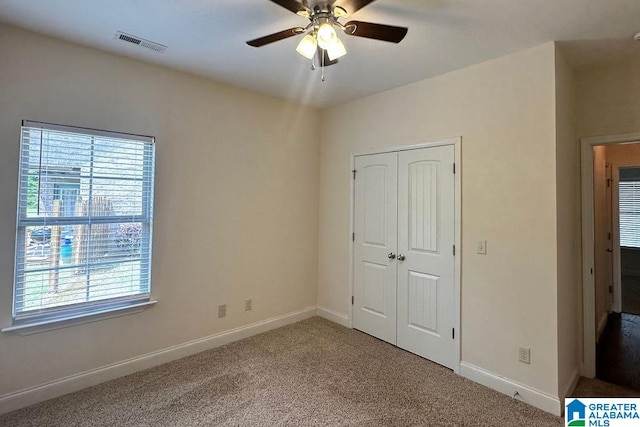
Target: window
[(629, 201), (84, 226)]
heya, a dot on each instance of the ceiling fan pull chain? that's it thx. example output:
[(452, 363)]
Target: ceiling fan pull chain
[(322, 78)]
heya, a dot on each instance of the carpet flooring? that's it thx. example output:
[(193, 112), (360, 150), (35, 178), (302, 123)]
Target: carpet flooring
[(311, 373)]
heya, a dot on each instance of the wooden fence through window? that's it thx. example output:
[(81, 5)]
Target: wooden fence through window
[(91, 242)]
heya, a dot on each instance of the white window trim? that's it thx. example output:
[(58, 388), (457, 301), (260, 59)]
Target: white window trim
[(80, 314), (36, 327)]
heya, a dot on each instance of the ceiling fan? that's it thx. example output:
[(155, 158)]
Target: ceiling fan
[(321, 43)]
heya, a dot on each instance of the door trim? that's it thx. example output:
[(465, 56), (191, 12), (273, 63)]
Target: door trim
[(457, 144), (616, 304), (588, 245)]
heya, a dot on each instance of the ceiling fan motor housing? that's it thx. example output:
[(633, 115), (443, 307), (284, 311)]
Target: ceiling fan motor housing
[(318, 6)]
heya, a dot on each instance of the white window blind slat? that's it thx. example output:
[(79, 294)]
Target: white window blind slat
[(85, 214), (629, 201)]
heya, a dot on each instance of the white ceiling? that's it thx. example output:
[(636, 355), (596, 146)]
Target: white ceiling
[(207, 37)]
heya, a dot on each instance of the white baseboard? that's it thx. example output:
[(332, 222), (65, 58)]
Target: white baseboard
[(602, 323), (70, 384), (533, 397), (335, 317), (572, 384)]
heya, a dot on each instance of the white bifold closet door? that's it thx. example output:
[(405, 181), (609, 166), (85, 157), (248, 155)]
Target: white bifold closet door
[(404, 241)]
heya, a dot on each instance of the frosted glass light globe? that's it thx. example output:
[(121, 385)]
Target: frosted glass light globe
[(326, 36), (307, 46)]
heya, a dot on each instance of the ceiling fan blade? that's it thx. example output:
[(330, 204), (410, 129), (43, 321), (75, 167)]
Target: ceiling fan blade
[(276, 37), (387, 33), (291, 5), (351, 6)]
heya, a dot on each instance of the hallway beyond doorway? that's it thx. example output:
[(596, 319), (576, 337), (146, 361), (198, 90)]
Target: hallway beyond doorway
[(618, 351), (631, 294)]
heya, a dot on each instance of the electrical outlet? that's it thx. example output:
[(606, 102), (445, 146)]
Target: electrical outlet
[(524, 355), (247, 305), (482, 247), (222, 310)]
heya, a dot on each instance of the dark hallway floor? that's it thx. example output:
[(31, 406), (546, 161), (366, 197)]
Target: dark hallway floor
[(618, 352), (593, 387), (631, 294)]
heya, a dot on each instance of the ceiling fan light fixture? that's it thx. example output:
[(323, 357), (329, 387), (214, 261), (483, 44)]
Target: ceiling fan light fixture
[(326, 35), (320, 42), (307, 46), (336, 50)]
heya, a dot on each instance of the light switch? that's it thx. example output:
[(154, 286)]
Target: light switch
[(482, 247)]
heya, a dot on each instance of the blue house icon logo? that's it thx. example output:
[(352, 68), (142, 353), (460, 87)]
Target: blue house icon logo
[(576, 413)]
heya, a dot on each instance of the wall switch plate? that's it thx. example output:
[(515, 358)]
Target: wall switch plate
[(222, 310), (482, 247), (524, 355), (247, 305)]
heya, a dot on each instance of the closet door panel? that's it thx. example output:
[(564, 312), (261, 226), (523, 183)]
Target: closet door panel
[(375, 226), (426, 235)]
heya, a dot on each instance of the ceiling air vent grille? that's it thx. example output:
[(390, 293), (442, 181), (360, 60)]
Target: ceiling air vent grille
[(156, 47)]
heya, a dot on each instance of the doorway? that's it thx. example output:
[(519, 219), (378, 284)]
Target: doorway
[(611, 240)]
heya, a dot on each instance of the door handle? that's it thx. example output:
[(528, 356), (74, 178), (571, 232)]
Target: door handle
[(400, 257), (391, 256), (608, 250)]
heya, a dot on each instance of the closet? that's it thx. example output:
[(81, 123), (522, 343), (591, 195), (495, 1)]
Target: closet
[(404, 255)]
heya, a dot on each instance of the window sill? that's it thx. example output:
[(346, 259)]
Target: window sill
[(36, 327)]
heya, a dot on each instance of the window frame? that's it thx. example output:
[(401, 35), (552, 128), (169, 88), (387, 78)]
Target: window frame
[(100, 308)]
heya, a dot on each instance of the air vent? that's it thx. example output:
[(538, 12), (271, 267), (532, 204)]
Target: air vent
[(156, 47)]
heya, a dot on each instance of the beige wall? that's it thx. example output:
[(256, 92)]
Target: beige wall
[(568, 226), (623, 155), (609, 99), (236, 207), (504, 110)]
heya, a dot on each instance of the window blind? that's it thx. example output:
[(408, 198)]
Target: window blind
[(84, 224), (629, 201)]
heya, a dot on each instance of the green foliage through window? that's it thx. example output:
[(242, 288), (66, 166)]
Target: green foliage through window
[(32, 191)]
